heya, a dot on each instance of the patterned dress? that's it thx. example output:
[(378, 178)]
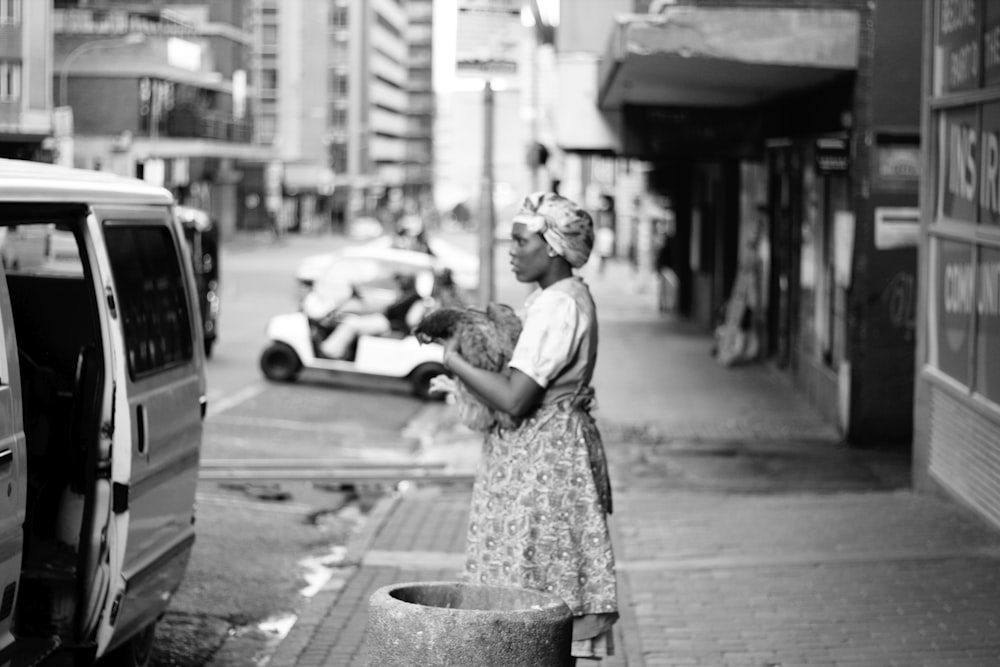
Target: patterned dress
[(541, 499)]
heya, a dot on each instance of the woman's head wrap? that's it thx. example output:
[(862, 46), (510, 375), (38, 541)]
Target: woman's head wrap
[(567, 228)]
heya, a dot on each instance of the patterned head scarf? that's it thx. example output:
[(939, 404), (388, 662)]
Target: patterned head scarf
[(567, 228)]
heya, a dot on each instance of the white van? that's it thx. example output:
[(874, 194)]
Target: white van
[(102, 396)]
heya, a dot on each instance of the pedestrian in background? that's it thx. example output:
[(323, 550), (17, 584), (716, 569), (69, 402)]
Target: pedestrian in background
[(542, 496)]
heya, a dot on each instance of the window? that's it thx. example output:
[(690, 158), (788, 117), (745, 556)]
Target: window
[(338, 157), (269, 79), (266, 128), (338, 52), (10, 12), (10, 80), (338, 83), (269, 35), (39, 249), (152, 298), (338, 117), (338, 17)]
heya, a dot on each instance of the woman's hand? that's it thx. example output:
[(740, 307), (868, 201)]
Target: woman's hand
[(450, 352), (442, 384)]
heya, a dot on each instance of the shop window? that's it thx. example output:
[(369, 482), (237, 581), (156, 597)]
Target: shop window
[(987, 365), (152, 298), (964, 326), (951, 308)]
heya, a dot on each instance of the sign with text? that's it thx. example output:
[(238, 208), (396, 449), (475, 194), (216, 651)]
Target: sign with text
[(954, 298), (958, 41), (988, 328), (958, 168), (991, 45), (989, 165), (898, 163)]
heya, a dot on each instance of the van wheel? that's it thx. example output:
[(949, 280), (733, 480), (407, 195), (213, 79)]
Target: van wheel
[(137, 651), (420, 381), (280, 363)]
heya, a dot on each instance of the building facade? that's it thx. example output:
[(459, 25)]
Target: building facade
[(25, 75), (786, 138), (160, 94), (957, 425)]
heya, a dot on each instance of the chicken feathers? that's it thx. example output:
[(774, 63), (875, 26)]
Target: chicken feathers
[(485, 339)]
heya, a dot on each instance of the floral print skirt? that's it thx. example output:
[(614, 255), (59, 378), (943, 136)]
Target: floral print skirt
[(539, 511)]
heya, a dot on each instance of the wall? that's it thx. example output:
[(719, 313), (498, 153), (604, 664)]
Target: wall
[(883, 336), (584, 24), (93, 115)]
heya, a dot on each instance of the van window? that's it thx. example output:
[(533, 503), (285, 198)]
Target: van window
[(151, 296), (40, 249)]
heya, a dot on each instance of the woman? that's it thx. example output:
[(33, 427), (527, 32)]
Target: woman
[(540, 503)]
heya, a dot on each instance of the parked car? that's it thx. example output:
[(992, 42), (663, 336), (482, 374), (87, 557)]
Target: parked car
[(202, 235), (367, 271), (463, 265), (102, 397)]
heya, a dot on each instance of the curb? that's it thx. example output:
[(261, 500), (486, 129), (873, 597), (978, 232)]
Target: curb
[(359, 543), (317, 609)]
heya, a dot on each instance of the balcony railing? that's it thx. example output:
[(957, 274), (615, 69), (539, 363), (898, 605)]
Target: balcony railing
[(192, 124)]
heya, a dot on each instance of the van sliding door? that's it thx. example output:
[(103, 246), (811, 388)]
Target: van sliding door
[(13, 477), (163, 387)]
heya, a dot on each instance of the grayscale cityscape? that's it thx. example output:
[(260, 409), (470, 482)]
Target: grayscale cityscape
[(482, 333)]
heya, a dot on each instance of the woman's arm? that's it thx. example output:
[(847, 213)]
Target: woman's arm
[(514, 392)]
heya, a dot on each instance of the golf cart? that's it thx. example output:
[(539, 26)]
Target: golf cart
[(294, 345)]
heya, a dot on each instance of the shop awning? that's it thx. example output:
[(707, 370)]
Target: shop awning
[(724, 56)]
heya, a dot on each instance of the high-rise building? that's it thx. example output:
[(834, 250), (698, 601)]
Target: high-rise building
[(420, 86), (25, 65), (338, 82), (290, 61)]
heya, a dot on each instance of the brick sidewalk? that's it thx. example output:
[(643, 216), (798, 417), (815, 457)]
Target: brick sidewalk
[(746, 535), (862, 579)]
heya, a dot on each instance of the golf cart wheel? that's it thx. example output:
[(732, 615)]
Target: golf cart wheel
[(420, 380), (280, 363)]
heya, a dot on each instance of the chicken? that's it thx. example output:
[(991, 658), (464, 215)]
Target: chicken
[(485, 339)]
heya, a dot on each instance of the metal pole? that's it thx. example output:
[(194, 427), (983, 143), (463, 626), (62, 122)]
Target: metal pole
[(535, 107), (486, 217)]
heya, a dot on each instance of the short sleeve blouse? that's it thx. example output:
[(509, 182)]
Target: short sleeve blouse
[(550, 336)]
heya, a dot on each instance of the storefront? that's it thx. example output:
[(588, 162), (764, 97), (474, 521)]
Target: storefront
[(788, 139), (957, 422)]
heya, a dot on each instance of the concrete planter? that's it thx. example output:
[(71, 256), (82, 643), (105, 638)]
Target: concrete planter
[(453, 624)]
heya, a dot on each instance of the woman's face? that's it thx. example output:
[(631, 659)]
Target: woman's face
[(529, 254)]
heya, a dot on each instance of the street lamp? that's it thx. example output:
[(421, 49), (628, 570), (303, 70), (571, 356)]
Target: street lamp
[(125, 40)]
